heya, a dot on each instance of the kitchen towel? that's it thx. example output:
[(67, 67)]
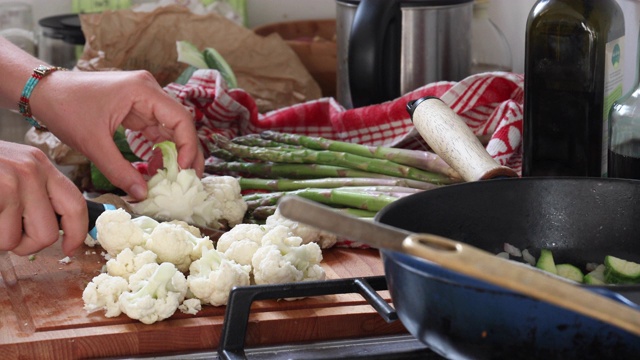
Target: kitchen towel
[(491, 104)]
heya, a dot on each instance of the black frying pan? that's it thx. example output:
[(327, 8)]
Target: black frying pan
[(580, 219)]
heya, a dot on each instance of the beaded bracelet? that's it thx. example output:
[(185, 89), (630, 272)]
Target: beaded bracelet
[(23, 105)]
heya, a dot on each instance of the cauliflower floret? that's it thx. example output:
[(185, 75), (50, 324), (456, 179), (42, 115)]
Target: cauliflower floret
[(308, 233), (176, 193), (283, 258), (116, 231), (102, 293), (129, 261), (145, 223), (156, 291), (190, 228), (241, 242), (212, 277), (225, 193), (172, 243), (190, 306)]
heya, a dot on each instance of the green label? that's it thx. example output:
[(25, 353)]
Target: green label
[(613, 78)]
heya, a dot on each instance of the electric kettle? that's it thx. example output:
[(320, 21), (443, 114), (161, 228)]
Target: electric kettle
[(387, 48)]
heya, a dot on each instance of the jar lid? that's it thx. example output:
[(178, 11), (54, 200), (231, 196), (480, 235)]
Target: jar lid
[(64, 27)]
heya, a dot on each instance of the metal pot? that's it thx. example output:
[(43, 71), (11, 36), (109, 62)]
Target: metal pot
[(387, 48)]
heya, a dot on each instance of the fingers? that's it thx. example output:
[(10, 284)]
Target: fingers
[(71, 206), (33, 191), (118, 170), (176, 124)]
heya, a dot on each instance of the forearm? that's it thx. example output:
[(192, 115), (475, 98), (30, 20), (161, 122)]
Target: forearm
[(17, 66)]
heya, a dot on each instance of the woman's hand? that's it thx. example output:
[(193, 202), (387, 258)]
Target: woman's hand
[(84, 109), (33, 192)]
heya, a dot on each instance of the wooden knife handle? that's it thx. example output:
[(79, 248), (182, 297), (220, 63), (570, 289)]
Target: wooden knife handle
[(448, 135)]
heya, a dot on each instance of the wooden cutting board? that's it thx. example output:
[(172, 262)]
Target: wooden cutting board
[(42, 316)]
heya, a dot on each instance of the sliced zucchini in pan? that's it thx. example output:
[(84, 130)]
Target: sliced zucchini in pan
[(546, 262), (570, 272), (620, 271)]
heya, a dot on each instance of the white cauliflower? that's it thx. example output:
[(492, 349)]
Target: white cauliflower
[(116, 231), (190, 306), (190, 228), (102, 293), (172, 243), (241, 242), (308, 233), (226, 197), (145, 223), (283, 258), (212, 277), (156, 292), (129, 261), (176, 193)]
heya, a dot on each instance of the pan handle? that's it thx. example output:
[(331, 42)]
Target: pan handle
[(447, 134), (524, 279)]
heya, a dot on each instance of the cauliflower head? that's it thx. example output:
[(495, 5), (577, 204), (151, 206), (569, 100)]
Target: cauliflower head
[(283, 258), (224, 193), (156, 292), (173, 243), (212, 277), (308, 233), (241, 242), (129, 261), (176, 193), (116, 231), (102, 293)]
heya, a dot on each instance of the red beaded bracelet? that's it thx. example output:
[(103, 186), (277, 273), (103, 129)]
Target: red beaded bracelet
[(23, 105)]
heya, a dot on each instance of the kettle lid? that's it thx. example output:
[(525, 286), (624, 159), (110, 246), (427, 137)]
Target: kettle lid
[(65, 27)]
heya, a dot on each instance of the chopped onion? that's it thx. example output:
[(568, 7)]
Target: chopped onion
[(591, 266), (512, 250), (503, 255), (526, 255)]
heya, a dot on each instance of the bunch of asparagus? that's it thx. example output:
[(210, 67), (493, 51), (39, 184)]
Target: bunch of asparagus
[(356, 178)]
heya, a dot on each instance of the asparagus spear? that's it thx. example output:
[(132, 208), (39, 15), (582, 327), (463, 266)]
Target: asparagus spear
[(263, 212), (292, 184), (257, 140), (327, 157), (285, 170), (358, 199), (420, 159)]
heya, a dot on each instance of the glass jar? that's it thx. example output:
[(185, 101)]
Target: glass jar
[(490, 50)]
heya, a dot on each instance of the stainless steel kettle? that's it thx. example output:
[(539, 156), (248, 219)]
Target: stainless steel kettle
[(387, 48)]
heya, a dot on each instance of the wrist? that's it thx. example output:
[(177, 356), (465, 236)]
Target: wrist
[(40, 73)]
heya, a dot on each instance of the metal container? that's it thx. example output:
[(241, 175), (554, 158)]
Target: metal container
[(59, 39), (388, 48)]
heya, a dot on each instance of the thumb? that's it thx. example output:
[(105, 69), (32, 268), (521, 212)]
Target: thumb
[(120, 171)]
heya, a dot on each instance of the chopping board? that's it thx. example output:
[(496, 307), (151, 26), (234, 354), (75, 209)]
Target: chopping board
[(42, 315)]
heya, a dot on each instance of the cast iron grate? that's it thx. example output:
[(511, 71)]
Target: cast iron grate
[(232, 340)]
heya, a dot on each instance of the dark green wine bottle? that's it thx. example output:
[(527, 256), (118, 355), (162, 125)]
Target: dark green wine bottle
[(573, 74)]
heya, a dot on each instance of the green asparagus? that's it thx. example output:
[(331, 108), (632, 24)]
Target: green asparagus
[(327, 157), (292, 184), (420, 159)]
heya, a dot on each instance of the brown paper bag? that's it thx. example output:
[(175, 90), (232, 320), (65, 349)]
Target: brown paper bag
[(265, 67)]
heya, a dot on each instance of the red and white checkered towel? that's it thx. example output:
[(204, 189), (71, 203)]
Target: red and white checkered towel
[(490, 103)]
